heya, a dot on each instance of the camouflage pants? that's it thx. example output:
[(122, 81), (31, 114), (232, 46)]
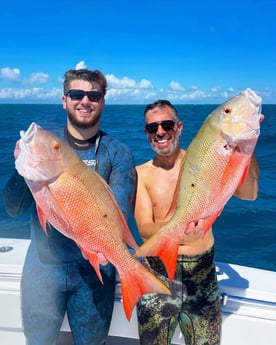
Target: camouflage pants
[(194, 303)]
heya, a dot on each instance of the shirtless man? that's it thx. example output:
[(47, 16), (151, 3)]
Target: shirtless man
[(195, 301)]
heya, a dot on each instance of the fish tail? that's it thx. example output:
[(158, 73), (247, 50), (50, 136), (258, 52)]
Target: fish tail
[(137, 282), (165, 246)]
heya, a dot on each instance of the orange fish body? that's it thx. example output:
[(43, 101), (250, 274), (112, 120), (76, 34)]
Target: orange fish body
[(215, 164), (79, 203)]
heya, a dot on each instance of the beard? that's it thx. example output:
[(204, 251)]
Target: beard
[(168, 151), (84, 123)]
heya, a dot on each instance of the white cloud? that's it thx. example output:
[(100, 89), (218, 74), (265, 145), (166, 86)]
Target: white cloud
[(151, 95), (6, 93), (38, 78), (145, 84), (80, 65), (175, 86), (12, 74), (215, 89), (30, 93), (123, 90), (224, 94), (113, 92), (127, 83)]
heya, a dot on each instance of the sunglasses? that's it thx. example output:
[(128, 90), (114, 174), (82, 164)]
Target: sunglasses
[(152, 127), (77, 95)]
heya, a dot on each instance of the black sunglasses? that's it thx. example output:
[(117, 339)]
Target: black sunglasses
[(152, 127), (77, 95)]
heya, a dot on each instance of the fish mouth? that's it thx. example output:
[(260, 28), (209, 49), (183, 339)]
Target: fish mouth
[(243, 124), (28, 163), (26, 139), (256, 101), (27, 136), (253, 97)]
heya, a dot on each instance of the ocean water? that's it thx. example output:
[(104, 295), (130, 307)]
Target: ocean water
[(245, 232)]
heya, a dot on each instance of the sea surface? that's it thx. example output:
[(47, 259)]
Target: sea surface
[(245, 232)]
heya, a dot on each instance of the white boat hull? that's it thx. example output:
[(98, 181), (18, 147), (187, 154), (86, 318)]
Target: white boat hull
[(249, 304)]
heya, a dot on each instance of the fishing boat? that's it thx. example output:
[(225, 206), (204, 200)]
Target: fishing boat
[(248, 303)]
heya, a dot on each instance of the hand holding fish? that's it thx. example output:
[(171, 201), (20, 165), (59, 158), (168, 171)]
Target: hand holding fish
[(195, 229)]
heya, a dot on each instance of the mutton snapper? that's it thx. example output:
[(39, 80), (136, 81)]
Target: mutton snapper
[(79, 203), (215, 164)]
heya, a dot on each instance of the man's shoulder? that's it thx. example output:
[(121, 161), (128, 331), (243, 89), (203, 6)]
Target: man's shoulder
[(108, 140), (116, 149), (144, 166)]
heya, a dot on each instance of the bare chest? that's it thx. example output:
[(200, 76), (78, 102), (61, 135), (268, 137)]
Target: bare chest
[(161, 187)]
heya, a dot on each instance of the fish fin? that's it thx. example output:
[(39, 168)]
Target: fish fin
[(137, 282), (165, 247), (42, 219), (61, 221), (244, 175), (128, 238), (94, 261), (126, 234)]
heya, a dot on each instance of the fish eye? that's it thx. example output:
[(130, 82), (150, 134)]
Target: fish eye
[(56, 146), (227, 110)]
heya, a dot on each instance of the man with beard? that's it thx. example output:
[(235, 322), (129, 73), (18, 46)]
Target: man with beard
[(195, 302), (56, 277)]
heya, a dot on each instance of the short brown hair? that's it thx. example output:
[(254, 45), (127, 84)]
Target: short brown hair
[(84, 74)]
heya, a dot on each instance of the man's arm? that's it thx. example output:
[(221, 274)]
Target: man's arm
[(122, 179), (17, 196), (249, 189)]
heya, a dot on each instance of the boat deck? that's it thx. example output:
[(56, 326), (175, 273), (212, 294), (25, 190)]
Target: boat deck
[(248, 294)]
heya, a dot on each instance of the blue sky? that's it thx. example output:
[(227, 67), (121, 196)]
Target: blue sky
[(187, 51)]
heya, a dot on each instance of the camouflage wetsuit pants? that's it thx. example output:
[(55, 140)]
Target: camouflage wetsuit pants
[(194, 303)]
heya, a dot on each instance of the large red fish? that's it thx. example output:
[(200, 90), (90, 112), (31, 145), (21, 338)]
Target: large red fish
[(215, 164), (78, 202)]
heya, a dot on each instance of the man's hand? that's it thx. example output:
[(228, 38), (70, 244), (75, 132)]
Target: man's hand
[(195, 229)]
